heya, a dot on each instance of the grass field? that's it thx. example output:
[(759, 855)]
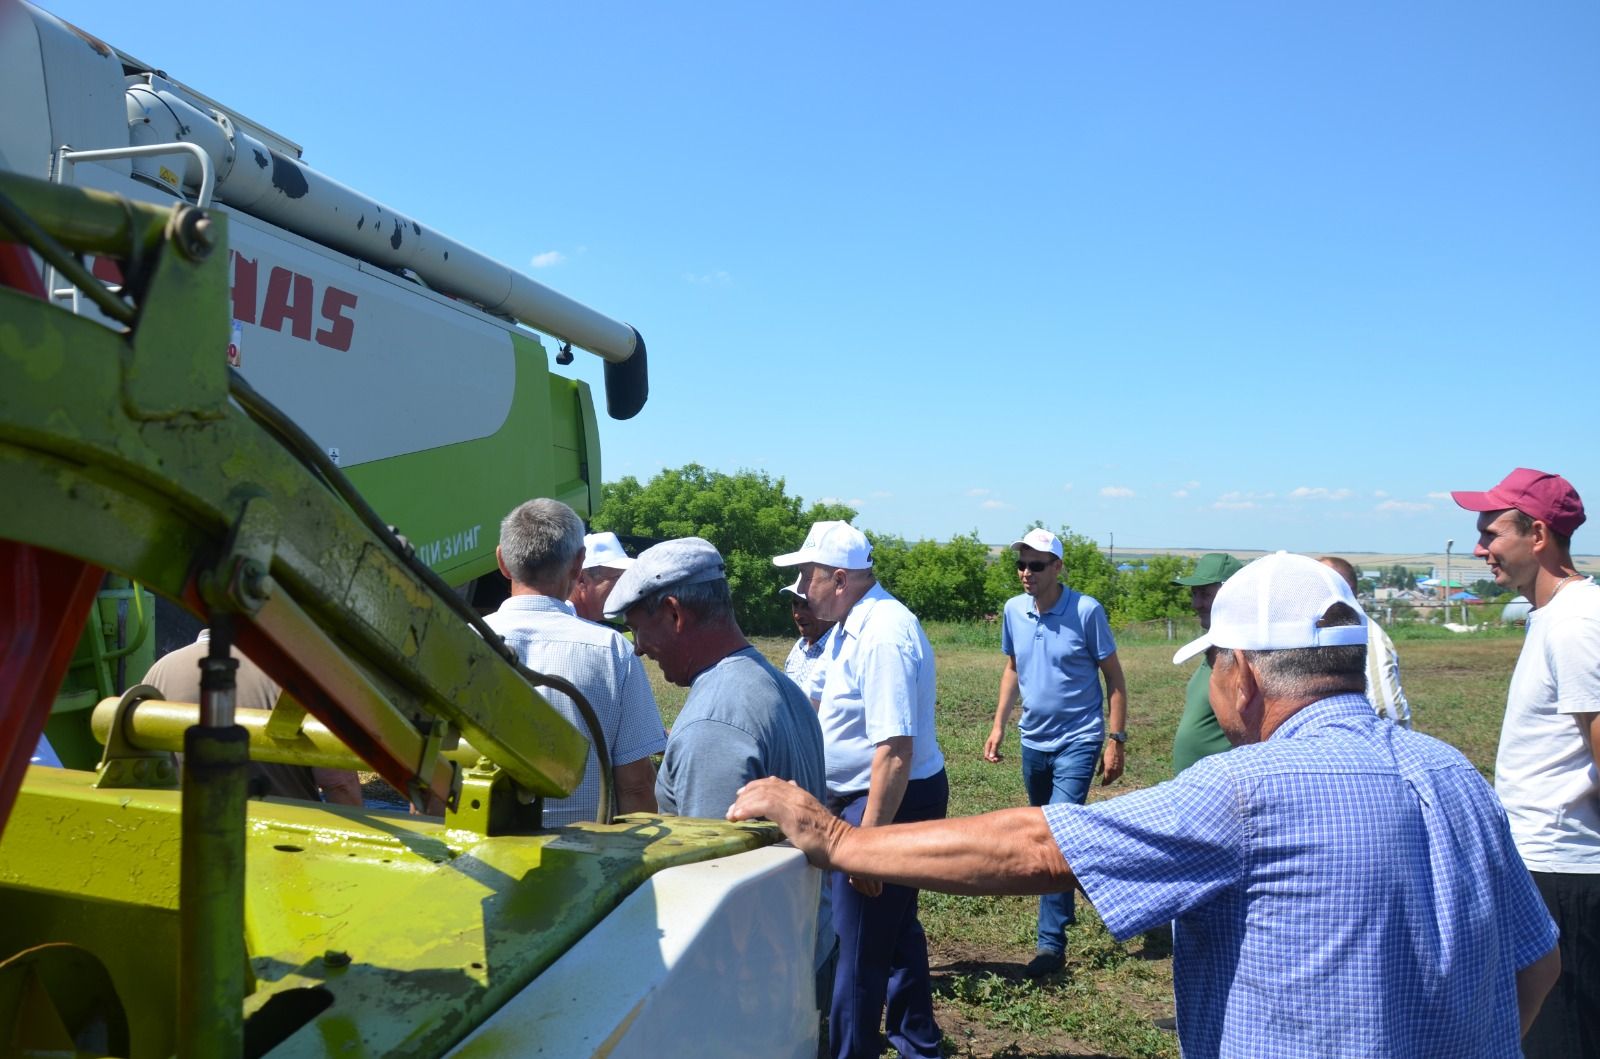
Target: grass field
[(1103, 1004)]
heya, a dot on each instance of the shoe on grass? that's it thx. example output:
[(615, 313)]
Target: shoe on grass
[(1044, 962)]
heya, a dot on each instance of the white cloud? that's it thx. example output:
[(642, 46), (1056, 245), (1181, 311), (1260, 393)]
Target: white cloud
[(975, 491), (880, 494), (1402, 505), (1379, 494), (1181, 494), (1319, 493), (1438, 496), (717, 278), (1235, 505), (994, 505), (548, 258), (1191, 485), (1239, 499), (1067, 487), (1117, 491)]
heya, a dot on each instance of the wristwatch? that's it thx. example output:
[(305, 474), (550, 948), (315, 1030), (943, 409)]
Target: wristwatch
[(1117, 737)]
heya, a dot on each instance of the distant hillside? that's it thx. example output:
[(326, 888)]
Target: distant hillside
[(1462, 565)]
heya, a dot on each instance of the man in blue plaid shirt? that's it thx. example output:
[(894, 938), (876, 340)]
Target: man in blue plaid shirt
[(1339, 885)]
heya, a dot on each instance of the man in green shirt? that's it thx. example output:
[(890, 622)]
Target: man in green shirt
[(1199, 735)]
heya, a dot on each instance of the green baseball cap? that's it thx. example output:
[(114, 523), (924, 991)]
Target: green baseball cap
[(1213, 568)]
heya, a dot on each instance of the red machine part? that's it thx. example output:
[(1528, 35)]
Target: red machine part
[(47, 598)]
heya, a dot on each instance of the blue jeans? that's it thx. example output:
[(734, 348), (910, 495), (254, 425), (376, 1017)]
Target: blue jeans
[(1052, 777)]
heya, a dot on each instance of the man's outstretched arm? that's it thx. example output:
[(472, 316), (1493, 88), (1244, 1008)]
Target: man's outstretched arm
[(1005, 852)]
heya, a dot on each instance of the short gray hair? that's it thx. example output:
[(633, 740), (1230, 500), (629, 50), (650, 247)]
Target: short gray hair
[(710, 602), (1303, 672), (539, 539)]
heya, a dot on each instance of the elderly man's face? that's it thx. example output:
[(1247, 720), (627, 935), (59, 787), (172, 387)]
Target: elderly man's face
[(655, 636), (1235, 698), (808, 623), (592, 589), (824, 586)]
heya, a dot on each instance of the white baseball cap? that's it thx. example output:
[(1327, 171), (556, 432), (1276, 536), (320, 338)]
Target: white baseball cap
[(833, 543), (603, 549), (1040, 540), (1274, 604)]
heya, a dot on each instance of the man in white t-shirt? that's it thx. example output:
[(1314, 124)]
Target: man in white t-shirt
[(1547, 772)]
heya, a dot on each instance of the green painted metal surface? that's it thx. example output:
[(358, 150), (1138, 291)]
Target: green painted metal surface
[(547, 446), (176, 486), (409, 933), (361, 933), (117, 647)]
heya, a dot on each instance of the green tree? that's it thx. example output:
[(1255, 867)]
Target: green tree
[(938, 582), (1149, 594), (748, 516), (1486, 589), (1400, 577), (1086, 568), (1000, 581)]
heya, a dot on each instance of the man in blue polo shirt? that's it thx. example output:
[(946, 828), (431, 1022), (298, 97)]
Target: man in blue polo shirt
[(1057, 644)]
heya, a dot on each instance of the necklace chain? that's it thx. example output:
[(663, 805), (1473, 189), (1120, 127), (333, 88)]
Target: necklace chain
[(1562, 584)]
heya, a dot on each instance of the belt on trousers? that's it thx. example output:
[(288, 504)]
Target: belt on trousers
[(837, 800)]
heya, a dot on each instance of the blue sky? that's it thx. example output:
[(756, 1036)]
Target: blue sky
[(1218, 275)]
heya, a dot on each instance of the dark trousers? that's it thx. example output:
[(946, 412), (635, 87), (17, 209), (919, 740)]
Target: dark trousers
[(1568, 1026), (883, 953)]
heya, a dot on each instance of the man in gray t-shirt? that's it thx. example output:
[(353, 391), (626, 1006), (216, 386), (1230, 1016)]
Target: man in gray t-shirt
[(743, 719)]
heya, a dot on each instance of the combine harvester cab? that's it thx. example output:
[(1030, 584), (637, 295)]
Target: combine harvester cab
[(146, 918)]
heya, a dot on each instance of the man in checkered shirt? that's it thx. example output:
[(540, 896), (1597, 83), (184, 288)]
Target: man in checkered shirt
[(1340, 885)]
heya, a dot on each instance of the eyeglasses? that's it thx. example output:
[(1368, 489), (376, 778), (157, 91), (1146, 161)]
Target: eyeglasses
[(1034, 567)]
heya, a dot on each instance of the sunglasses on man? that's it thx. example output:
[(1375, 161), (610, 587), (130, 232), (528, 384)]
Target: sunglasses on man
[(1033, 566)]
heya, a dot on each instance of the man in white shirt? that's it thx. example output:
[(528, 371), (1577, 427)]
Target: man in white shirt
[(804, 664), (541, 553), (603, 562), (1547, 772), (884, 766)]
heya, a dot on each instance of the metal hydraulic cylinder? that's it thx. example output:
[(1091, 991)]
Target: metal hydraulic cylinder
[(211, 948)]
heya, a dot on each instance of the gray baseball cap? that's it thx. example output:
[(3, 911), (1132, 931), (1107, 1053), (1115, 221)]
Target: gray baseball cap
[(685, 561)]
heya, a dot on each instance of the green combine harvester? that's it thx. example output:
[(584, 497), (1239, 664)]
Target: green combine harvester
[(224, 378)]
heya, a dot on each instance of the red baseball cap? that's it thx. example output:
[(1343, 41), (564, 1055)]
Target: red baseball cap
[(1546, 497)]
